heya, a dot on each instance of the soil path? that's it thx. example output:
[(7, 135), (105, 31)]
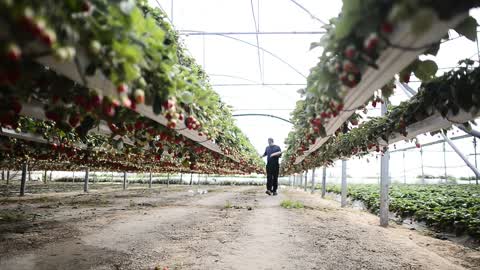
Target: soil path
[(235, 228)]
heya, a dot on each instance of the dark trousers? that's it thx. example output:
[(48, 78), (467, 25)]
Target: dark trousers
[(272, 176)]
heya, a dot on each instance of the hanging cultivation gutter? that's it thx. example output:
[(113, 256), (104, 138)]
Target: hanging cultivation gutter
[(100, 83), (142, 64), (390, 62)]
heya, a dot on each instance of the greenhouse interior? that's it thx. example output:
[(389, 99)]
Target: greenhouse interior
[(247, 134)]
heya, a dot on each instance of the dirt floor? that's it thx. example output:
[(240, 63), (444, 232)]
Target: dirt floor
[(207, 227)]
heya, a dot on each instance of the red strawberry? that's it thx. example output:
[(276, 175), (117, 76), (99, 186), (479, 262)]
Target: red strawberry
[(95, 100), (350, 52), (371, 42), (86, 6), (167, 105), (122, 88), (138, 125), (14, 53), (74, 120), (49, 37), (387, 27), (16, 106), (51, 115), (139, 95)]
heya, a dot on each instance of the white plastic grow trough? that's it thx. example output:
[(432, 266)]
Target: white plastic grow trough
[(390, 62)]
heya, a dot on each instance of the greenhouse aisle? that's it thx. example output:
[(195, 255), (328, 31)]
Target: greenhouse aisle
[(226, 228)]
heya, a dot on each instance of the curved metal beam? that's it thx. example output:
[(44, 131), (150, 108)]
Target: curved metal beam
[(261, 48), (262, 114)]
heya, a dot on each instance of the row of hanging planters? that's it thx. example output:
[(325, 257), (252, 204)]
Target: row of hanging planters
[(133, 46), (454, 92), (352, 45), (63, 150)]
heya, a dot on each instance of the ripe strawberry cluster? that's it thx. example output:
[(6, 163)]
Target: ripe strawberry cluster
[(348, 66), (9, 112), (128, 99)]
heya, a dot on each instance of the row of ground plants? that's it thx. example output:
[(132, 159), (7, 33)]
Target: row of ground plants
[(446, 208)]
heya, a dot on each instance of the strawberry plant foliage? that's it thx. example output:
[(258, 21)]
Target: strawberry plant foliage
[(352, 45), (456, 90), (447, 208), (130, 43)]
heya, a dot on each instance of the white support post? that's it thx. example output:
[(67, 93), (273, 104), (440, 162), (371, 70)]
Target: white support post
[(85, 181), (344, 183), (384, 182), (168, 179), (24, 178), (445, 162), (150, 180), (73, 176), (404, 174), (313, 180), (421, 163), (324, 182), (306, 179), (124, 180)]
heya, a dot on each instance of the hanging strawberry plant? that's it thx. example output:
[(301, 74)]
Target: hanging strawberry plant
[(455, 91), (353, 46)]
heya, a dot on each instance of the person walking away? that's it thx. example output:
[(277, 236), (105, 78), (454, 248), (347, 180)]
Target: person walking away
[(273, 153)]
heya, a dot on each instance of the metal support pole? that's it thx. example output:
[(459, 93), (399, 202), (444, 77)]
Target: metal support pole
[(85, 181), (344, 183), (73, 177), (181, 178), (51, 176), (384, 181), (384, 184), (404, 174), (24, 178), (8, 177), (475, 149), (150, 180), (3, 175), (45, 177), (421, 162), (306, 179), (409, 91), (324, 182), (313, 180), (124, 180), (445, 162), (168, 179), (191, 179), (470, 165), (198, 179)]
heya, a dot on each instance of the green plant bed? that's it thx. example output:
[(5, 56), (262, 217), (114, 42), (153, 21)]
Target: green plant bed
[(448, 208)]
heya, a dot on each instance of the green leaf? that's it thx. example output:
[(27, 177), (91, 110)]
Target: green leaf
[(426, 70), (422, 21), (314, 45), (127, 6), (186, 97), (350, 16), (132, 72), (468, 28)]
